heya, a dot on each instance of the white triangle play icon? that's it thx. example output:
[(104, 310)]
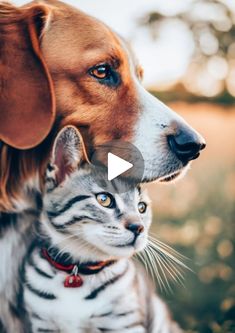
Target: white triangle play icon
[(117, 166)]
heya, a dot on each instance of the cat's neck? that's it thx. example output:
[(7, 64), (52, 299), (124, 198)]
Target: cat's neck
[(79, 271), (66, 262), (68, 247), (66, 252)]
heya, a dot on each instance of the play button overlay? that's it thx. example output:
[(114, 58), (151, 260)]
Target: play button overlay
[(118, 166)]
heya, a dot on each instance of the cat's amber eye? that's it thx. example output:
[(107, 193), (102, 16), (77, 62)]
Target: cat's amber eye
[(142, 206), (105, 200)]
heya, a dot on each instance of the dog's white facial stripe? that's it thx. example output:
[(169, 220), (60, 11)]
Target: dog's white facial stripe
[(156, 122)]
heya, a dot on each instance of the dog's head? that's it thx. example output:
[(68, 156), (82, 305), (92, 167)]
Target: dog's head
[(98, 88), (76, 64)]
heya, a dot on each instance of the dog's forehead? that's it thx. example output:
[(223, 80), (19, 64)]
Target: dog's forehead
[(84, 37)]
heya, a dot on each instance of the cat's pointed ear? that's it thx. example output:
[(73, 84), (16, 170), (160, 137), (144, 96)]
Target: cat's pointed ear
[(68, 152)]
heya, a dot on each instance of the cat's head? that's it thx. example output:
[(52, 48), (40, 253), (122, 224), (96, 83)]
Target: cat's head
[(82, 219)]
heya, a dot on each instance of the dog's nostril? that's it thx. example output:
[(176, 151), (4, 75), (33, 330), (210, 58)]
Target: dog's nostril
[(186, 144), (136, 228), (203, 145)]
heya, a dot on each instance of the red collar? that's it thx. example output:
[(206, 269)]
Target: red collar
[(74, 279)]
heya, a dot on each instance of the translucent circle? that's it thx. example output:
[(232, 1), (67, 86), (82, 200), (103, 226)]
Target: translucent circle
[(126, 180)]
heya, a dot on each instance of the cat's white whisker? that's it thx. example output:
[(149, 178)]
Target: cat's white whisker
[(167, 247), (164, 263), (159, 262), (173, 271), (169, 255), (170, 269)]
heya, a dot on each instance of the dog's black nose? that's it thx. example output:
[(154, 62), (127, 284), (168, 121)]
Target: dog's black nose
[(186, 144), (136, 228)]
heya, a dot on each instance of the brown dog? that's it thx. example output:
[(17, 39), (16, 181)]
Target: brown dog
[(53, 52), (60, 66)]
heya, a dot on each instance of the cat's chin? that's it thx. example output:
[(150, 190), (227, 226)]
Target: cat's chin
[(120, 251)]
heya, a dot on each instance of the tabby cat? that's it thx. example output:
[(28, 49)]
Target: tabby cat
[(78, 275)]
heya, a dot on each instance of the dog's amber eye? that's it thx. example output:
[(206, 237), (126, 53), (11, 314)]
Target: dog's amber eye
[(142, 206), (105, 200), (100, 72)]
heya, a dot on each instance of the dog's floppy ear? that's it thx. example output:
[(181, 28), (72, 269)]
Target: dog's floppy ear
[(27, 102), (68, 153)]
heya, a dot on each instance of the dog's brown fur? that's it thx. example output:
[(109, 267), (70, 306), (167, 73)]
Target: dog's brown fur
[(59, 45)]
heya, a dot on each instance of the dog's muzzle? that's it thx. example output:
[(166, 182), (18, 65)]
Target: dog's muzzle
[(186, 144)]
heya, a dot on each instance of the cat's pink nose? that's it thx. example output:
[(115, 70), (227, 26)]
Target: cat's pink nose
[(136, 228)]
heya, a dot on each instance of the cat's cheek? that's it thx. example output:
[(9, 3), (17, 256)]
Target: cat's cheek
[(141, 243)]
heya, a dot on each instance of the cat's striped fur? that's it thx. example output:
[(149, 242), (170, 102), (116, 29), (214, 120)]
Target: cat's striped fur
[(81, 223), (15, 229)]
